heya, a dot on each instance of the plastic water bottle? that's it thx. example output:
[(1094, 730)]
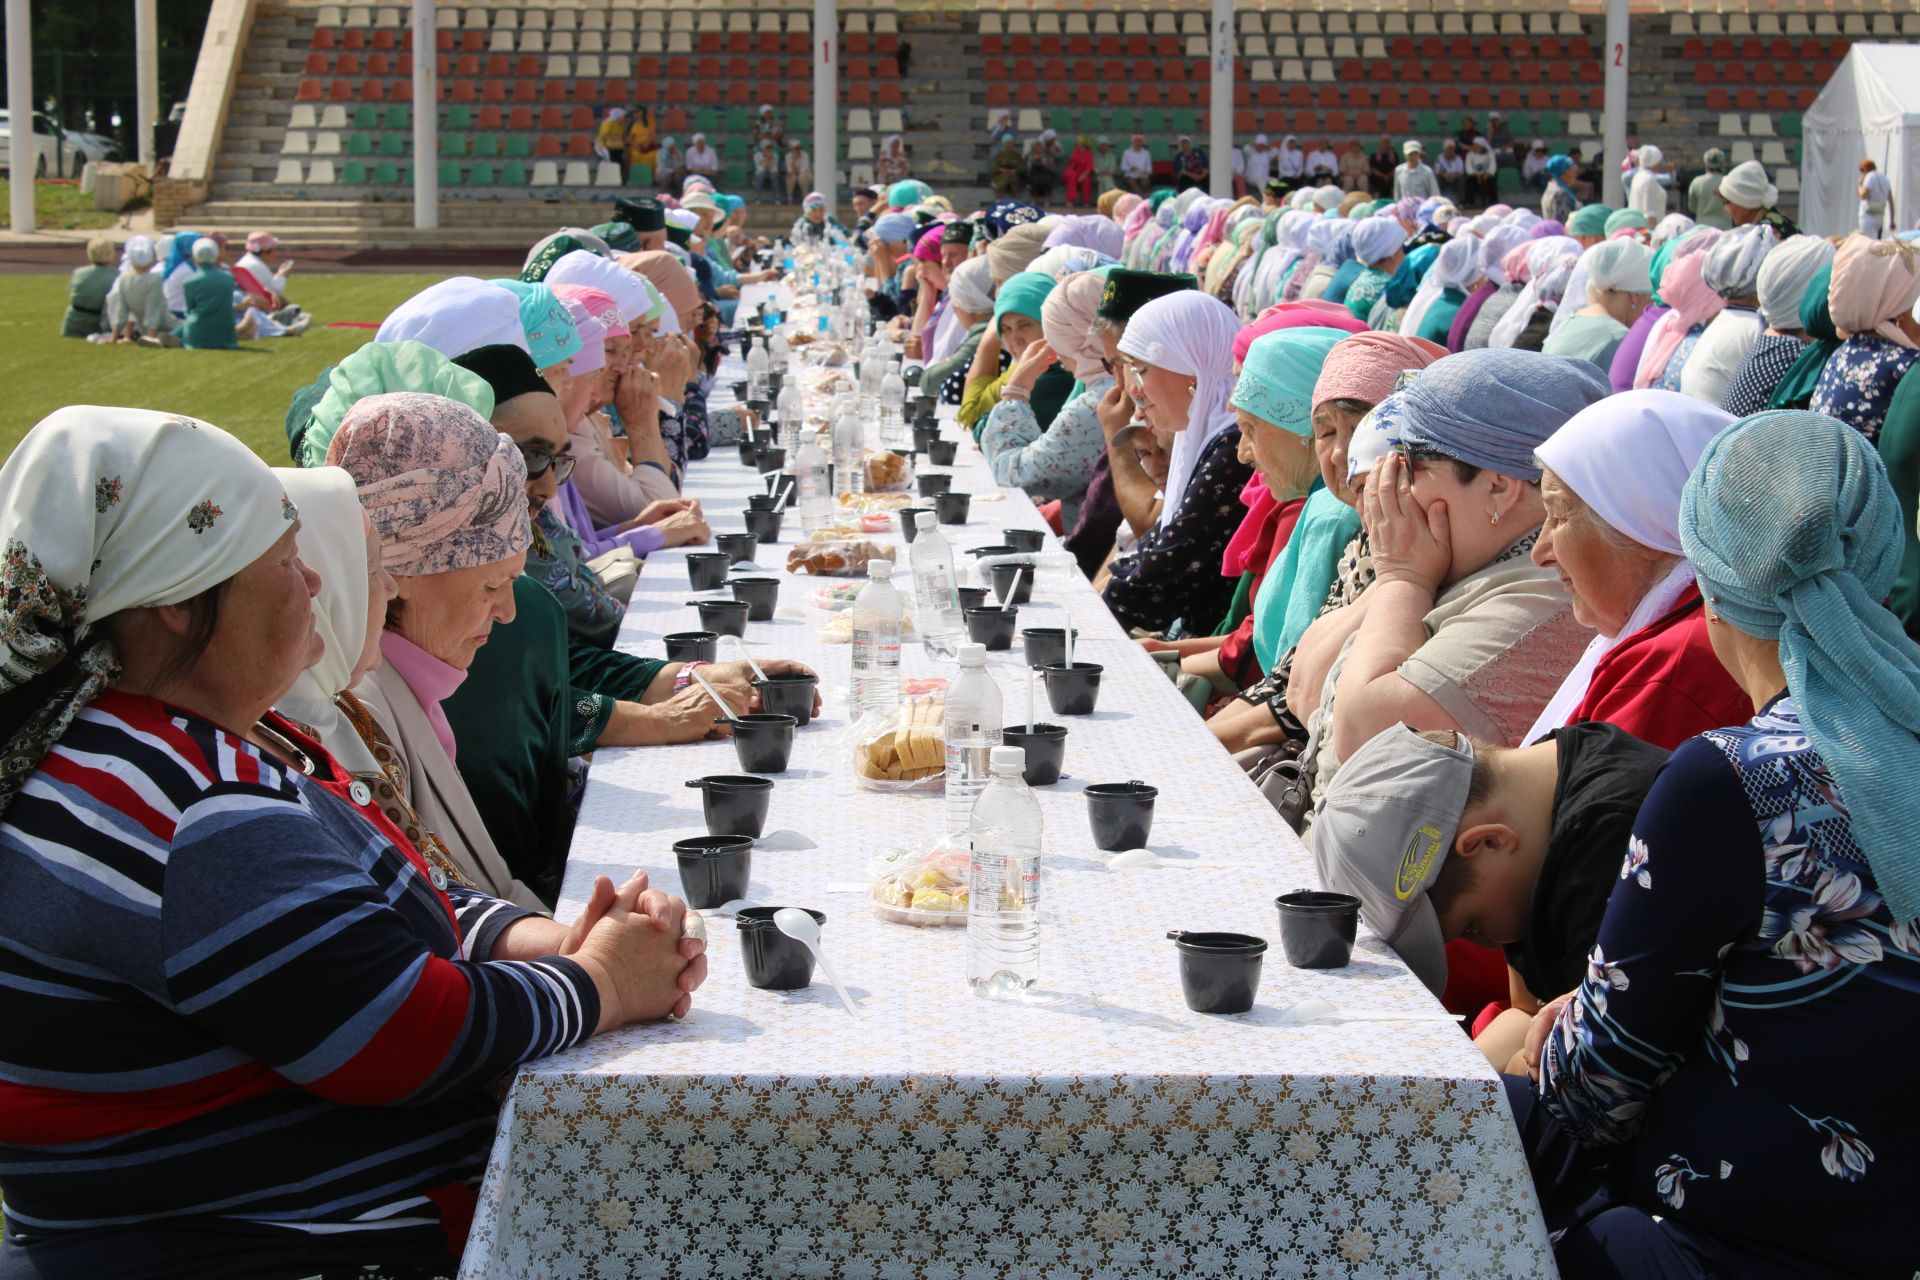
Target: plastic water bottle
[(1003, 882), (849, 454), (792, 411), (779, 349), (941, 623), (972, 731), (873, 372), (813, 489), (876, 642), (757, 382), (893, 407)]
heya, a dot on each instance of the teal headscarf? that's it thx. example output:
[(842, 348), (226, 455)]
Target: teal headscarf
[(377, 369), (729, 205), (1795, 535), (551, 337), (903, 195), (1277, 377), (1795, 388), (1589, 220), (1406, 278), (1622, 219), (1022, 294)]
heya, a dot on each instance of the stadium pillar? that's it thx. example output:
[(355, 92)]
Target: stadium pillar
[(146, 73), (19, 109), (426, 120), (826, 102), (1220, 119), (1613, 123)]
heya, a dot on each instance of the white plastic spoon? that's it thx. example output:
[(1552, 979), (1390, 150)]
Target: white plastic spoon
[(748, 655), (805, 930), (718, 701)]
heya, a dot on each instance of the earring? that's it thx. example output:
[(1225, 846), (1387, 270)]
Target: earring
[(1193, 388), (1494, 518)]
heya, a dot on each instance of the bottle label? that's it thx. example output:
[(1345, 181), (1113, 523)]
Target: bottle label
[(873, 649), (936, 586)]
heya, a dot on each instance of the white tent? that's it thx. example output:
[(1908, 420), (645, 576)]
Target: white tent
[(1870, 110)]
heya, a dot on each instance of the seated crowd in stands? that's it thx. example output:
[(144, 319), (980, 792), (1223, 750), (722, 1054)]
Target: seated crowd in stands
[(1555, 576)]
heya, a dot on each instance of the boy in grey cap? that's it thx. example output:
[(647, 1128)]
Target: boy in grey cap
[(1440, 839)]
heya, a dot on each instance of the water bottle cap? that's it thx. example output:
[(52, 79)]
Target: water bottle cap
[(971, 654), (925, 519), (1009, 760), (879, 570)]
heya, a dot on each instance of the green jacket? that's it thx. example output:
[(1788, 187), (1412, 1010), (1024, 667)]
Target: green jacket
[(209, 322)]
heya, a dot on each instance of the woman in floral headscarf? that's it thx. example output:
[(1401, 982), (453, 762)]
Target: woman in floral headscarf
[(1870, 297)]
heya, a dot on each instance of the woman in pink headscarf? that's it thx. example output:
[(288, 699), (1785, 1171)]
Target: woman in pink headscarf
[(1691, 303), (930, 282), (1311, 313)]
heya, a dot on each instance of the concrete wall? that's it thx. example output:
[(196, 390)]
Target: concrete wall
[(215, 77)]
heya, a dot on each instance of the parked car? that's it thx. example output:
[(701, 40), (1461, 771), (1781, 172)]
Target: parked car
[(49, 148), (93, 146)]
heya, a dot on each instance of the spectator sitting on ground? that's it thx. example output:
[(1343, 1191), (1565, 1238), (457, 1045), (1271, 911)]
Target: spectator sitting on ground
[(799, 169), (261, 274), (210, 304), (137, 302), (703, 159), (87, 291)]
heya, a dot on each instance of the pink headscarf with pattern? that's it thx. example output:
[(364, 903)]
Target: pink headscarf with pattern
[(1309, 313), (599, 304), (1366, 366), (1066, 320), (1874, 283), (445, 490)]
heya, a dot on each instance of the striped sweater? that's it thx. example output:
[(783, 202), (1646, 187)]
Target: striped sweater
[(227, 999)]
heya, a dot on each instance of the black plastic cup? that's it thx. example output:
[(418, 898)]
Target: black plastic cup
[(692, 646), (941, 452), (1317, 927), (762, 434), (1047, 646), (774, 961), (740, 391), (931, 484), (1003, 574), (724, 617), (788, 696), (735, 804), (738, 546), (764, 525), (747, 450), (1046, 748), (990, 626), (924, 436), (761, 502), (1026, 540), (707, 570), (763, 741), (1219, 972), (971, 597), (770, 458), (951, 508), (908, 516), (928, 407), (714, 869), (1121, 814), (759, 594)]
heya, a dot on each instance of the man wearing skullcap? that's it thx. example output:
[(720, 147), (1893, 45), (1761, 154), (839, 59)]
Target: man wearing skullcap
[(647, 216)]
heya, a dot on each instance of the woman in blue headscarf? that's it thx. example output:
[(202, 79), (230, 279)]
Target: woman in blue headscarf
[(1763, 924), (1558, 201), (178, 268)]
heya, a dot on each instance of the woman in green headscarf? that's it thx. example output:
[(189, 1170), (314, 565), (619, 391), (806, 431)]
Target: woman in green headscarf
[(1016, 326), (375, 369), (1795, 388)]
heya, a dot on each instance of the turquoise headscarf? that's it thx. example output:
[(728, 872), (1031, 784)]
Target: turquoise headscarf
[(1621, 219), (1795, 535), (1276, 385), (1406, 278), (1022, 294), (551, 337), (1589, 220), (377, 369), (903, 194)]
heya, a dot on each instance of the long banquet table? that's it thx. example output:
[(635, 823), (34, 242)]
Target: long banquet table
[(1099, 1129)]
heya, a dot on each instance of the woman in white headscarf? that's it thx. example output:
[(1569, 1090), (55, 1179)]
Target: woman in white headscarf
[(455, 316), (1544, 260), (1443, 290), (1611, 480), (1178, 356), (1293, 159), (1646, 192), (1785, 277), (1619, 285), (1733, 272)]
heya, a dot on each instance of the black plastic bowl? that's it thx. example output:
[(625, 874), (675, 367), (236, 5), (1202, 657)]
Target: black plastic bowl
[(931, 485), (1317, 927), (714, 869), (1027, 540), (788, 696), (1046, 748), (759, 594), (734, 804), (951, 507), (763, 525), (707, 570), (940, 453), (692, 646), (763, 741), (1003, 574), (1046, 646), (1219, 972), (971, 597), (724, 617), (1121, 814), (991, 627), (738, 546), (907, 517), (774, 961)]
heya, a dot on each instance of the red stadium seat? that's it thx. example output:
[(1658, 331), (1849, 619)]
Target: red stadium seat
[(352, 39), (340, 91), (473, 41), (323, 37), (456, 90), (309, 91), (1420, 97), (1050, 46), (1479, 99), (1243, 122), (579, 146), (383, 39), (526, 91), (347, 64), (740, 93), (1335, 122), (797, 42), (860, 93), (1058, 95), (528, 66), (1366, 122), (739, 42), (1299, 96), (1166, 46), (854, 42), (318, 64), (709, 42), (582, 118), (1086, 94), (1397, 122), (1326, 95), (546, 145), (1053, 69), (707, 91), (999, 95), (1147, 94), (1179, 95), (553, 118), (674, 118), (1389, 96), (1242, 94), (1268, 96), (992, 46)]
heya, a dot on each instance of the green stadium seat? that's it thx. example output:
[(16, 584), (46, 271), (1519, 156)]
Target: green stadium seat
[(386, 174), (799, 120), (1061, 120), (513, 174), (1521, 123), (1428, 123), (353, 174), (1160, 149), (1183, 121), (735, 176), (459, 116), (1121, 120), (1551, 126), (366, 116), (486, 144), (738, 121), (480, 174), (640, 176), (736, 146), (1152, 122), (519, 146), (1508, 178), (359, 144), (449, 173), (1092, 120), (453, 144), (1788, 125), (398, 116), (706, 120), (395, 144)]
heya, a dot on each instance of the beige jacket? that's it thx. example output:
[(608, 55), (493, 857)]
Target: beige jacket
[(436, 791), (612, 496)]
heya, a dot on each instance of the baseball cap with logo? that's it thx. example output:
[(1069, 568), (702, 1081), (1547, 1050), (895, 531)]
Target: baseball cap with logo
[(1384, 828)]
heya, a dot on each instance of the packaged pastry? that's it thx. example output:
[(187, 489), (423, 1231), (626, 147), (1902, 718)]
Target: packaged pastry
[(866, 502), (836, 599), (888, 472), (927, 888), (835, 559), (907, 747)]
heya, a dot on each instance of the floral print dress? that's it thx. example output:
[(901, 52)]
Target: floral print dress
[(1747, 1014), (1173, 572), (1049, 462), (1858, 382)]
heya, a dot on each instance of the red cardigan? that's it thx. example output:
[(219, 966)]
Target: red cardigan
[(1663, 684)]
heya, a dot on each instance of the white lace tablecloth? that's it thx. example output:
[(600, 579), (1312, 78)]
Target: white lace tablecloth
[(1101, 1129)]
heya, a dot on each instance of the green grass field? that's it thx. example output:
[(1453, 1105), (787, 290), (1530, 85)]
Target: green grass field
[(245, 391)]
